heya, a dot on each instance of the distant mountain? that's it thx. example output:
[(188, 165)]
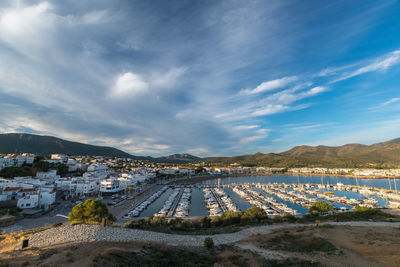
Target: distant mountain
[(44, 145), (179, 158), (380, 155)]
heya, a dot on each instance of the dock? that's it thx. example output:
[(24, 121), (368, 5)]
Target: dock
[(175, 204), (219, 200)]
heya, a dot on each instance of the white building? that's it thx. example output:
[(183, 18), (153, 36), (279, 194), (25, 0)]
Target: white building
[(28, 202), (50, 174), (38, 197), (187, 171), (110, 186), (4, 183), (97, 167), (59, 157)]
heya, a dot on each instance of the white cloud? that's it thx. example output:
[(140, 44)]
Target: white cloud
[(129, 84), (26, 28), (380, 64), (269, 110), (269, 86), (94, 17), (168, 79), (245, 127), (161, 147), (391, 101), (314, 91)]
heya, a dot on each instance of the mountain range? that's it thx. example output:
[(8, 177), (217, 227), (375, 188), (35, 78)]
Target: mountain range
[(44, 145), (380, 155)]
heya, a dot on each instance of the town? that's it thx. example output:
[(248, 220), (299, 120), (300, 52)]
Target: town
[(34, 185)]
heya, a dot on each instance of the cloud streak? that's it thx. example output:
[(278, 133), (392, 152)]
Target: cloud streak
[(155, 78)]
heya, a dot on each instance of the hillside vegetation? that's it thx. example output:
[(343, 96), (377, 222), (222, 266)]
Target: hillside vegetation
[(381, 155)]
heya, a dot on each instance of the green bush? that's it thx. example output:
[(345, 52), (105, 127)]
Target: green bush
[(157, 220), (231, 217), (319, 206), (208, 242), (254, 213), (14, 211)]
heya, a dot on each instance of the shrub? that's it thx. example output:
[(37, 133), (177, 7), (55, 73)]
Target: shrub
[(319, 206), (216, 221), (231, 217), (208, 242), (14, 211), (289, 218), (205, 222), (130, 224), (254, 213), (157, 220)]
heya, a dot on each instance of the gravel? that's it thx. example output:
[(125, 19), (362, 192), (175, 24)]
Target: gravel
[(88, 233)]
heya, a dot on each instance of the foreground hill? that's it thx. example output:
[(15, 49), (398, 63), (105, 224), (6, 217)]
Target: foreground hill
[(43, 145), (380, 155)]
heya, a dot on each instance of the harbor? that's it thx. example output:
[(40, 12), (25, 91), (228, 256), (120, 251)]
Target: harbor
[(275, 198)]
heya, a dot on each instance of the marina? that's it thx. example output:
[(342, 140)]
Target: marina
[(275, 198)]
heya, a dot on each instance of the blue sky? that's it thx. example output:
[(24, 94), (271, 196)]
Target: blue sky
[(205, 77)]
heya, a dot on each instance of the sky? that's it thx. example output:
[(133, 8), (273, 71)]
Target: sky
[(209, 78)]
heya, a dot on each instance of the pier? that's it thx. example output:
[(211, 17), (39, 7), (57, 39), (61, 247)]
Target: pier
[(175, 204), (219, 201)]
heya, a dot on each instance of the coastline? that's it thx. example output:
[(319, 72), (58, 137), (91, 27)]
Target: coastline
[(197, 179)]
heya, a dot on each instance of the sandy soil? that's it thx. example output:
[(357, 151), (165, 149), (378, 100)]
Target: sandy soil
[(356, 246)]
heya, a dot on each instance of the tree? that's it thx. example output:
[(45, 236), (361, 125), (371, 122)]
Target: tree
[(42, 166), (62, 169), (11, 172), (319, 206), (199, 169), (38, 158), (91, 211)]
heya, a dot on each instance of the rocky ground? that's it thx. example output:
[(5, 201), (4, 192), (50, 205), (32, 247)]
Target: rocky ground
[(333, 244), (86, 233)]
